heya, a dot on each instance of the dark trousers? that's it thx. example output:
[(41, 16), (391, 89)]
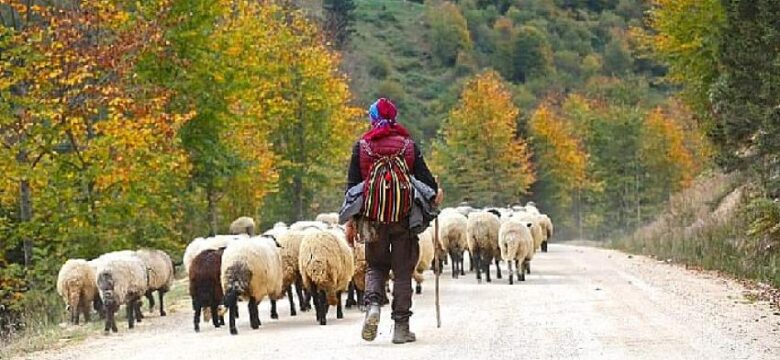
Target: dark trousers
[(391, 247)]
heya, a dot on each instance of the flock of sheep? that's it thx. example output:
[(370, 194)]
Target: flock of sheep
[(312, 256)]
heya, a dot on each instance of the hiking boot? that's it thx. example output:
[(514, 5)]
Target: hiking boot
[(371, 323), (401, 334)]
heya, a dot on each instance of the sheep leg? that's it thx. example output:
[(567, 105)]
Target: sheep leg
[(485, 262), (160, 294), (476, 257), (274, 314), (498, 268), (97, 304), (317, 308), (232, 319), (87, 311), (520, 269), (511, 274), (292, 302), (351, 295), (339, 310), (196, 319), (471, 261), (361, 304), (303, 302), (418, 288), (324, 307), (109, 320), (131, 307), (150, 296), (461, 258), (254, 319), (544, 246), (139, 315), (454, 265), (527, 266)]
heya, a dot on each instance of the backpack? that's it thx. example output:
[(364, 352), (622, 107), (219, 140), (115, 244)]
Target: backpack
[(387, 194)]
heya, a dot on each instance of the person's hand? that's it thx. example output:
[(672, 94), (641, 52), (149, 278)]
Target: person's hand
[(439, 197), (349, 230)]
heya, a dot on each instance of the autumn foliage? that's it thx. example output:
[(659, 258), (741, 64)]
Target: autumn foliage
[(480, 155)]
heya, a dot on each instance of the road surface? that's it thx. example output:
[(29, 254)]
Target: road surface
[(579, 302)]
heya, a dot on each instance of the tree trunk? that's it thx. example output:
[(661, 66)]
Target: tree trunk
[(298, 197), (211, 196), (25, 215)]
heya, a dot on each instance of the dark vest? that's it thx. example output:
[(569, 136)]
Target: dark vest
[(385, 146)]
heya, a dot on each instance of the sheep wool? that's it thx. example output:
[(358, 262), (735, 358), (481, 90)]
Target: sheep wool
[(243, 225), (77, 285), (160, 271), (537, 232), (327, 266), (482, 240), (251, 270), (516, 245), (453, 229), (328, 218), (121, 279), (424, 261), (197, 245)]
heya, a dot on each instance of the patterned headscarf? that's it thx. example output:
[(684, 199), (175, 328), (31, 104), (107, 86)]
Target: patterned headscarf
[(382, 113)]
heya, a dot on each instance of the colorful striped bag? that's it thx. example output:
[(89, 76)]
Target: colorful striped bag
[(387, 194)]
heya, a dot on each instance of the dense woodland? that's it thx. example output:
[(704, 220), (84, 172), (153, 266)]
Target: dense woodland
[(128, 124)]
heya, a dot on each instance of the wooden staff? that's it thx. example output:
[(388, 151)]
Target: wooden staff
[(436, 263)]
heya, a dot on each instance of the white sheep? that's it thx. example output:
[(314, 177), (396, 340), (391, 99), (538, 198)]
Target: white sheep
[(121, 279), (327, 266), (358, 284), (160, 269), (328, 218), (303, 225), (452, 238), (516, 245), (77, 285), (530, 207), (290, 242), (537, 232), (424, 260), (547, 230), (482, 241), (277, 231), (198, 245), (251, 270), (243, 225)]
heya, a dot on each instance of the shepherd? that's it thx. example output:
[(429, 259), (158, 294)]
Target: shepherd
[(385, 166)]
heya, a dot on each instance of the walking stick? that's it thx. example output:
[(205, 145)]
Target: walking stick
[(437, 268), (436, 263)]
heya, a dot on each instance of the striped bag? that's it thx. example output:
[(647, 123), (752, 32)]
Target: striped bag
[(387, 194)]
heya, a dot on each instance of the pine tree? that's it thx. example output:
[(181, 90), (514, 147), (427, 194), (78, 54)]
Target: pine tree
[(339, 19)]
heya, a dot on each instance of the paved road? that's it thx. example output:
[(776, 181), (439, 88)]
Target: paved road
[(580, 302)]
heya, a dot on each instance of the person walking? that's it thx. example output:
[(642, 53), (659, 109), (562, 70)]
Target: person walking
[(383, 159)]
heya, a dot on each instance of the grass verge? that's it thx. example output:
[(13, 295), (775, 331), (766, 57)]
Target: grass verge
[(53, 336)]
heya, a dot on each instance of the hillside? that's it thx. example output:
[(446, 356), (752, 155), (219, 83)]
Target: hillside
[(391, 53)]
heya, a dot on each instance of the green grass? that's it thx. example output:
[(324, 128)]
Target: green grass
[(393, 33), (52, 336)]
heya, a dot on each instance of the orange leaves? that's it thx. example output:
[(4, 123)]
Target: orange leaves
[(559, 149)]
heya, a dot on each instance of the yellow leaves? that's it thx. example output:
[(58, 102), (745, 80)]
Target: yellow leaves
[(479, 142), (561, 155)]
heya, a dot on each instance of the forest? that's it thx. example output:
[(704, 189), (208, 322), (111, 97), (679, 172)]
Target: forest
[(145, 124)]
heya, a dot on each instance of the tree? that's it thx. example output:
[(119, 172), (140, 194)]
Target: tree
[(563, 166), (479, 151), (533, 57), (685, 36), (339, 19), (448, 32)]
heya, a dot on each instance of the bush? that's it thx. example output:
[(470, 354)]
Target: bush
[(379, 67)]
